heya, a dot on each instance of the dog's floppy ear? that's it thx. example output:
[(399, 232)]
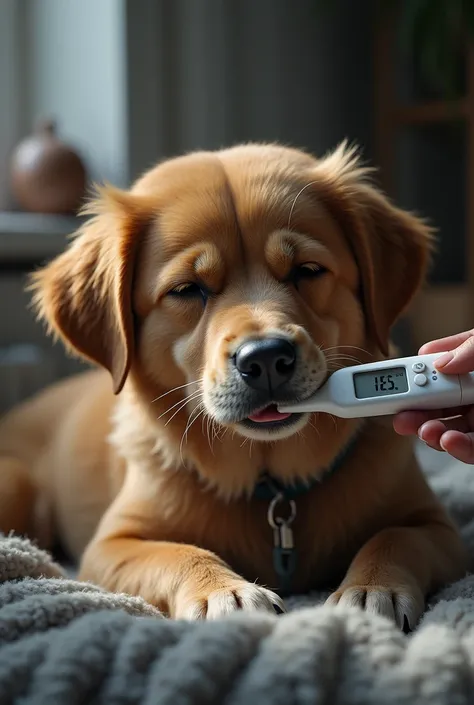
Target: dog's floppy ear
[(84, 295), (392, 247)]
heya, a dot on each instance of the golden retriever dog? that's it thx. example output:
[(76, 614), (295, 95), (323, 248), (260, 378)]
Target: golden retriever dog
[(222, 284)]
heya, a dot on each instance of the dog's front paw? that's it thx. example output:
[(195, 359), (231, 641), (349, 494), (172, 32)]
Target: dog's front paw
[(404, 604), (220, 602)]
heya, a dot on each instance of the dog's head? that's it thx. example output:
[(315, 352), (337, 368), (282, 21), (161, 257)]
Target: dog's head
[(238, 279)]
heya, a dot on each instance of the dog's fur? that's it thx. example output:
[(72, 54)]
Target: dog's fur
[(154, 487)]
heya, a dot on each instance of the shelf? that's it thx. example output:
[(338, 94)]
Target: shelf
[(33, 236), (434, 112), (440, 310)]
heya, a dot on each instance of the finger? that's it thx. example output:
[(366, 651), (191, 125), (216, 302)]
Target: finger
[(460, 423), (443, 344), (459, 446), (407, 423), (431, 433), (458, 361)]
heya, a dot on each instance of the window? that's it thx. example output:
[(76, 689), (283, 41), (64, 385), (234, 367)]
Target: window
[(12, 86)]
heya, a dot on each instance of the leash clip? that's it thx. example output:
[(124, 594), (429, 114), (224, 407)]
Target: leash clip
[(284, 553)]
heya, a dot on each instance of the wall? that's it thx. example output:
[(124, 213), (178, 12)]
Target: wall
[(12, 109), (131, 81), (76, 73), (221, 71)]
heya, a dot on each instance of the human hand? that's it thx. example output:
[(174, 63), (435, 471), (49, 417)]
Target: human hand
[(449, 430)]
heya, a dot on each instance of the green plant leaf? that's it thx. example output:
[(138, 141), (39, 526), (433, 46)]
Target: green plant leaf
[(430, 33), (468, 15)]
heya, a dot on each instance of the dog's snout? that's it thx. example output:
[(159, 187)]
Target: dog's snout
[(266, 364)]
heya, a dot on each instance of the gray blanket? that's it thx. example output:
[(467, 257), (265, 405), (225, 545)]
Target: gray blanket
[(66, 642)]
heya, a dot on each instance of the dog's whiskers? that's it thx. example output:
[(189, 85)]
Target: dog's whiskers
[(315, 428), (217, 429), (342, 356), (181, 401), (335, 365), (353, 347), (346, 358), (209, 423), (176, 389), (311, 183), (337, 355), (201, 410), (183, 404)]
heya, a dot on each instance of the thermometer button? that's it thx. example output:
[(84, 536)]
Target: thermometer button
[(420, 380), (419, 367)]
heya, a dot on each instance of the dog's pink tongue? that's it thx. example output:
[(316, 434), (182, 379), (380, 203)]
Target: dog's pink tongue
[(271, 413)]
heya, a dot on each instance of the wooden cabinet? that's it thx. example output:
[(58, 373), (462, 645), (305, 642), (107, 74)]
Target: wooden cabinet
[(439, 169), (29, 360)]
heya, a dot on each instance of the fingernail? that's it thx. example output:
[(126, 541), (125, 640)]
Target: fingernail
[(420, 434), (443, 360)]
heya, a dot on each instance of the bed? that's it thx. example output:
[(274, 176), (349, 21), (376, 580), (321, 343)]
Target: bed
[(66, 642)]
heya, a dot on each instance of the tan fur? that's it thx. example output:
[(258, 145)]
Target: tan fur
[(153, 488)]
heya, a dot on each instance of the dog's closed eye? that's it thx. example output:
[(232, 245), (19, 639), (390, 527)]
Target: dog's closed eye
[(190, 290), (308, 270)]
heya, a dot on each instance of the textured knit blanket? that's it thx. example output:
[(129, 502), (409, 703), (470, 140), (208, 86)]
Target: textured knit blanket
[(66, 642)]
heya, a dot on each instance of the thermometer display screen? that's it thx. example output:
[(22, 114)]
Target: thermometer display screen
[(380, 383)]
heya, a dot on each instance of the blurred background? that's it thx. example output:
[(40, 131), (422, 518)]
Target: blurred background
[(94, 90)]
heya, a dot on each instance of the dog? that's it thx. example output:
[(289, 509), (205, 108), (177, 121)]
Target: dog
[(221, 284)]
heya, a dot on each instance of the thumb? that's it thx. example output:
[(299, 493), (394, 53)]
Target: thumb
[(458, 361)]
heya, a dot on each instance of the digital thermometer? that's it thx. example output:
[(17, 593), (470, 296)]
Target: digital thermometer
[(387, 387)]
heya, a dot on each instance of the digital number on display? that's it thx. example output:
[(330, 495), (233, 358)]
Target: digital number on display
[(380, 383)]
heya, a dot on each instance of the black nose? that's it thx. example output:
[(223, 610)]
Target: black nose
[(266, 364)]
